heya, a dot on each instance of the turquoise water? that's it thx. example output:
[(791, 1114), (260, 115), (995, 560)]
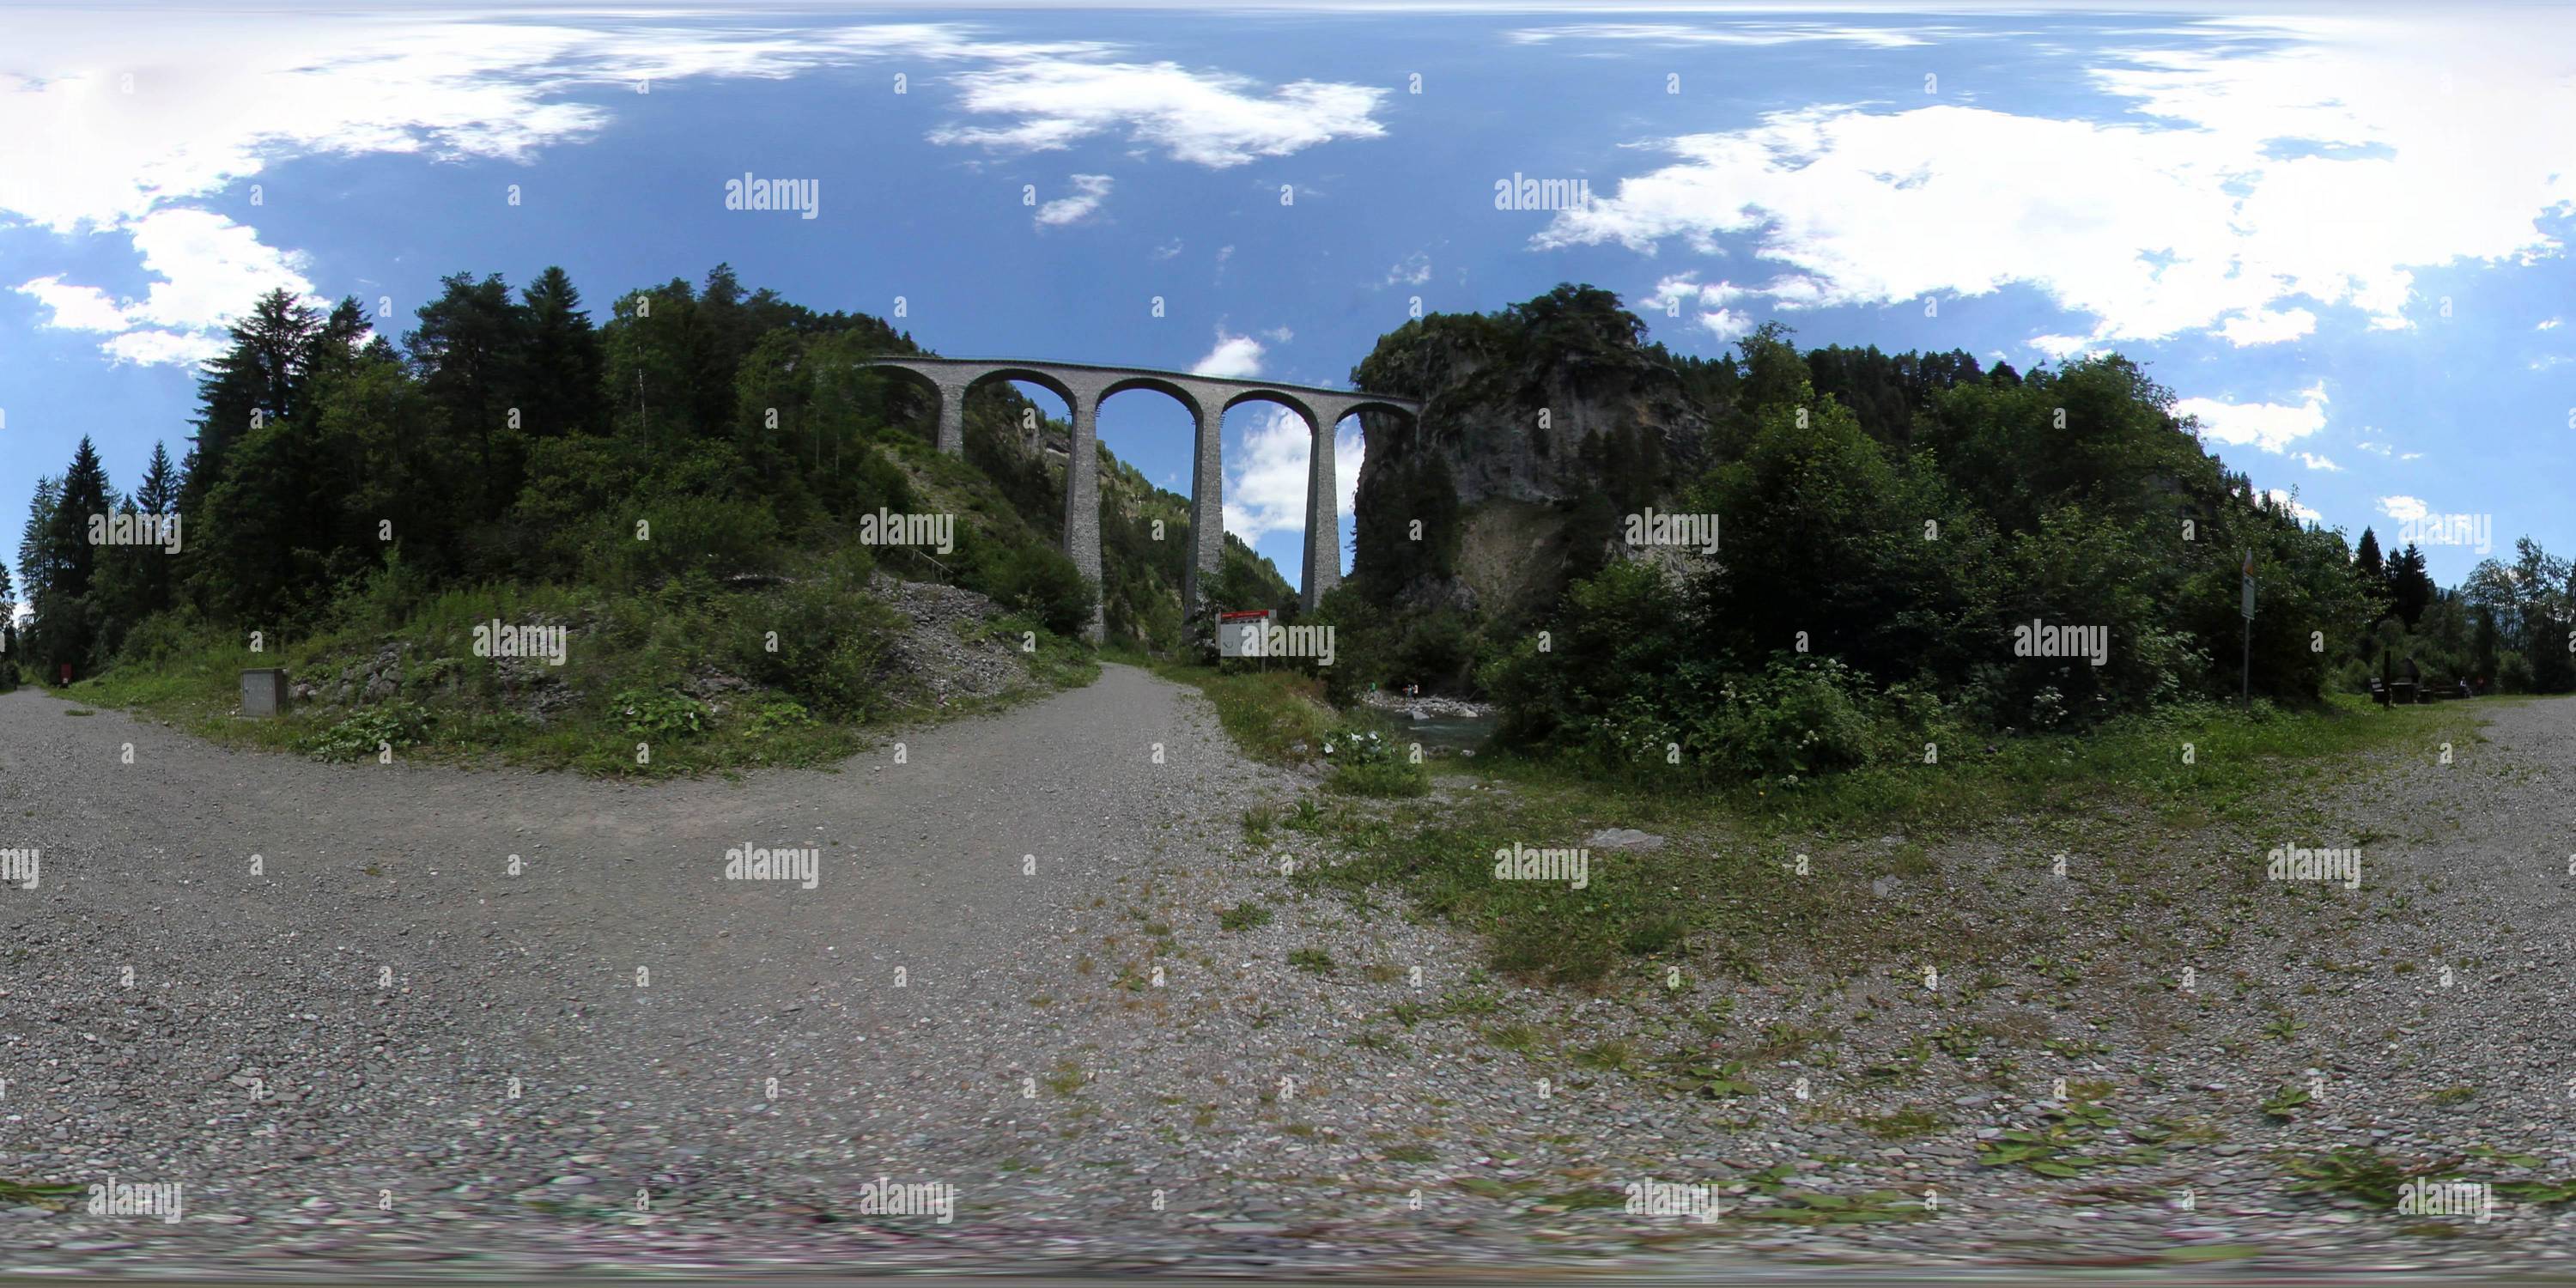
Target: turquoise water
[(1458, 733)]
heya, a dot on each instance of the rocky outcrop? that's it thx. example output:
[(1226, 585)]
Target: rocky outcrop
[(1510, 403), (1528, 415)]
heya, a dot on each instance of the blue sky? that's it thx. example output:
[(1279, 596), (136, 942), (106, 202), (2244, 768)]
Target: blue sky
[(2338, 235)]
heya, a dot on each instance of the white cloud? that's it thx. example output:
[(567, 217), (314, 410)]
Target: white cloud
[(1088, 192), (1279, 334), (2270, 426), (2282, 497), (2060, 347), (206, 269), (2263, 326), (1209, 118), (1235, 356), (215, 101), (77, 308), (1413, 271), (2226, 191), (2403, 508), (1265, 487), (2316, 462), (165, 348), (220, 98), (1168, 250), (2549, 324), (1704, 302)]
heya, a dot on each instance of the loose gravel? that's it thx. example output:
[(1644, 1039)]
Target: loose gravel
[(416, 1018)]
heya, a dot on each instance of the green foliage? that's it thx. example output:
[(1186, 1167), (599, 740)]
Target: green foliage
[(1368, 763), (1279, 717), (1035, 579), (1897, 530), (1243, 916), (659, 715), (394, 725), (823, 641)]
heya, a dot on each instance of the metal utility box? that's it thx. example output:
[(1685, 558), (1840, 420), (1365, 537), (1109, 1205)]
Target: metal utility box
[(264, 693)]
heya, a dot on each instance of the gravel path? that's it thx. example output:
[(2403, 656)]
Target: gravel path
[(387, 1048)]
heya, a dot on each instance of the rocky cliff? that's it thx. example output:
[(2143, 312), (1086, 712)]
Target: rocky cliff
[(1529, 415)]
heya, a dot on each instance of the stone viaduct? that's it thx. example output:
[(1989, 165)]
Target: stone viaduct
[(1083, 387)]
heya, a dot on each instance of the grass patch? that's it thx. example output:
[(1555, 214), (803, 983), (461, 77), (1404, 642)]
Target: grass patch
[(1243, 916), (52, 1197), (1727, 885), (1276, 717)]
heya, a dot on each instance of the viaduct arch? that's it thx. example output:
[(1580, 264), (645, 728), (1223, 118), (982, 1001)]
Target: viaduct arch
[(1084, 386)]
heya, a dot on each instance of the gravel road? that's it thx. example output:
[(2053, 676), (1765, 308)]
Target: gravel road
[(419, 1017)]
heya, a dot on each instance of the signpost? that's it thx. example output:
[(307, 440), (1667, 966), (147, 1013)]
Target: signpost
[(2245, 605), (1235, 630)]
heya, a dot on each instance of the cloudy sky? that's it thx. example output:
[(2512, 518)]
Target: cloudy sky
[(2338, 236)]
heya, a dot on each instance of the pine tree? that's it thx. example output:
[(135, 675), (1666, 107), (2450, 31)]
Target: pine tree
[(35, 540), (2410, 587), (560, 387), (85, 493), (260, 378), (469, 349), (160, 491), (2366, 561)]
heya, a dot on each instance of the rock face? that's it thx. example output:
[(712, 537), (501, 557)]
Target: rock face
[(1528, 414), (1509, 405)]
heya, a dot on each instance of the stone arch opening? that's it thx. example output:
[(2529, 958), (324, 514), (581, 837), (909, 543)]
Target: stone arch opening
[(919, 391)]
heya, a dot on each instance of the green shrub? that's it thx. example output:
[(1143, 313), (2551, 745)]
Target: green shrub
[(659, 715), (1367, 763), (1041, 581), (826, 642), (770, 715), (394, 725), (1798, 716), (178, 632)]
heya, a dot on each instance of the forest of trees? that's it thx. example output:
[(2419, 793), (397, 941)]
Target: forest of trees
[(1889, 520), (509, 439)]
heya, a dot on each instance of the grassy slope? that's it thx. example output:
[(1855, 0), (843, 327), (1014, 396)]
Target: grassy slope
[(629, 641)]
